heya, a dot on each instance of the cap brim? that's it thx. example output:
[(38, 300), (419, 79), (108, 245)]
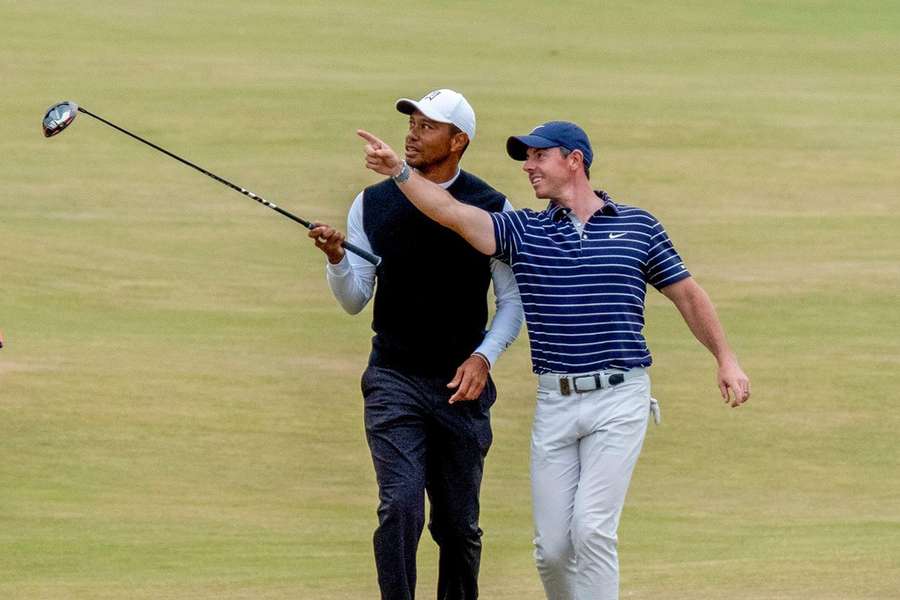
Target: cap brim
[(408, 107), (517, 145)]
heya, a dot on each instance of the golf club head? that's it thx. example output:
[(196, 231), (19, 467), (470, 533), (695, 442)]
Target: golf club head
[(58, 117)]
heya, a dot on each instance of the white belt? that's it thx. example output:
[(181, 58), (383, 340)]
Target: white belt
[(586, 382)]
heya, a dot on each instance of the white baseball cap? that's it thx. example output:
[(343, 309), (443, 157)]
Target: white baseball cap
[(443, 106)]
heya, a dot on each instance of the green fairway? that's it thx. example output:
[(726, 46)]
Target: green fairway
[(180, 414)]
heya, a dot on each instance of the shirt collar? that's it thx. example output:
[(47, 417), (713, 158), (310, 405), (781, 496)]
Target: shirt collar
[(557, 211), (609, 207), (450, 181)]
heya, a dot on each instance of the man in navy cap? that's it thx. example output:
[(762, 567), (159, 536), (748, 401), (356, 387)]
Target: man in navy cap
[(582, 265)]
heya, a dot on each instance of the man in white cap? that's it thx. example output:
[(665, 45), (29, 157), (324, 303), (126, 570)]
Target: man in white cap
[(427, 388)]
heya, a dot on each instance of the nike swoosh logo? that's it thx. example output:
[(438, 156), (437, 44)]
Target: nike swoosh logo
[(615, 236)]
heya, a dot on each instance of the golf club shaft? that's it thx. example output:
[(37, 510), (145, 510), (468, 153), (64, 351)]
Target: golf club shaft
[(375, 260)]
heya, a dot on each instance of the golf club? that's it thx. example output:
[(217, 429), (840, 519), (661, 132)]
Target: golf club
[(60, 115)]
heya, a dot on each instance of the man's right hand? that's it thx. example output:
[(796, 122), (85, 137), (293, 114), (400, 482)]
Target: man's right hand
[(328, 240), (379, 156)]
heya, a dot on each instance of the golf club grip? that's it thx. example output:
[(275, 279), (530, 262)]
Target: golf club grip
[(372, 258), (365, 254)]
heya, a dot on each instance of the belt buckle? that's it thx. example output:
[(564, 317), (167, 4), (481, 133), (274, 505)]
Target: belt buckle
[(601, 381), (564, 387), (598, 382)]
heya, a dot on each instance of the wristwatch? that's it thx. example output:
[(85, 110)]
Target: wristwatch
[(403, 175)]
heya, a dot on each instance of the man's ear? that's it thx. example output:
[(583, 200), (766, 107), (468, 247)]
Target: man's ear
[(576, 160), (459, 141)]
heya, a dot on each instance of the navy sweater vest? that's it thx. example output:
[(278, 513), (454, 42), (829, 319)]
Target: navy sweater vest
[(431, 294)]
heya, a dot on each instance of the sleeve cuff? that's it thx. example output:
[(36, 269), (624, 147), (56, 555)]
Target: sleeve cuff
[(339, 270), (498, 239), (490, 354), (672, 279)]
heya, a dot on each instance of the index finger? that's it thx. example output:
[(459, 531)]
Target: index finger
[(370, 138), (462, 390)]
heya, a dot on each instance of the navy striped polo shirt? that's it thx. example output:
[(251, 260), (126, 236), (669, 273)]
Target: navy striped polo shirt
[(583, 295)]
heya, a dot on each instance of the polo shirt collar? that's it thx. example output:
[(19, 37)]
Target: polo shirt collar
[(609, 207), (557, 211)]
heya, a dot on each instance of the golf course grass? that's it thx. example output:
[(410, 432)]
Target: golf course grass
[(180, 414)]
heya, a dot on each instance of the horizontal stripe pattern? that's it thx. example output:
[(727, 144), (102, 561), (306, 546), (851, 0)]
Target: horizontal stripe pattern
[(583, 294)]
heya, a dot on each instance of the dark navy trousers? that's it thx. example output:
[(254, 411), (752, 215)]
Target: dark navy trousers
[(420, 443)]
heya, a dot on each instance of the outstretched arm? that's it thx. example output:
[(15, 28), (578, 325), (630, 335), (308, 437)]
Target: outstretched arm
[(700, 315), (472, 223)]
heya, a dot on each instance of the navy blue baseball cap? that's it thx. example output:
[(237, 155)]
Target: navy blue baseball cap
[(551, 134)]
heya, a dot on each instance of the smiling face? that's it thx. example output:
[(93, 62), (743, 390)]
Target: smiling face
[(548, 171), (431, 143)]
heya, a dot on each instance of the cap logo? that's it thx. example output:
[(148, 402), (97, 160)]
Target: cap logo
[(433, 95)]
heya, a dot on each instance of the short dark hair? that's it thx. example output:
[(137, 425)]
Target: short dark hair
[(453, 131), (565, 152)]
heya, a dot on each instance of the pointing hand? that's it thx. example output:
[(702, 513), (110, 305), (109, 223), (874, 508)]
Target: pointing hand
[(379, 156)]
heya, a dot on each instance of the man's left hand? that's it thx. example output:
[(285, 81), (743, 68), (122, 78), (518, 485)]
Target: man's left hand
[(733, 379), (469, 379)]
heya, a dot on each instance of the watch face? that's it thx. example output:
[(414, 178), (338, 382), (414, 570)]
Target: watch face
[(403, 175)]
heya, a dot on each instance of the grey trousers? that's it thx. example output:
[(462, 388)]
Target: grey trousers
[(583, 451)]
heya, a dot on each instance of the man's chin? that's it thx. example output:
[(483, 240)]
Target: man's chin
[(540, 194)]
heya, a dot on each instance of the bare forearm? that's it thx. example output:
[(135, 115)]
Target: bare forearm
[(700, 315), (435, 202), (473, 224), (470, 222)]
